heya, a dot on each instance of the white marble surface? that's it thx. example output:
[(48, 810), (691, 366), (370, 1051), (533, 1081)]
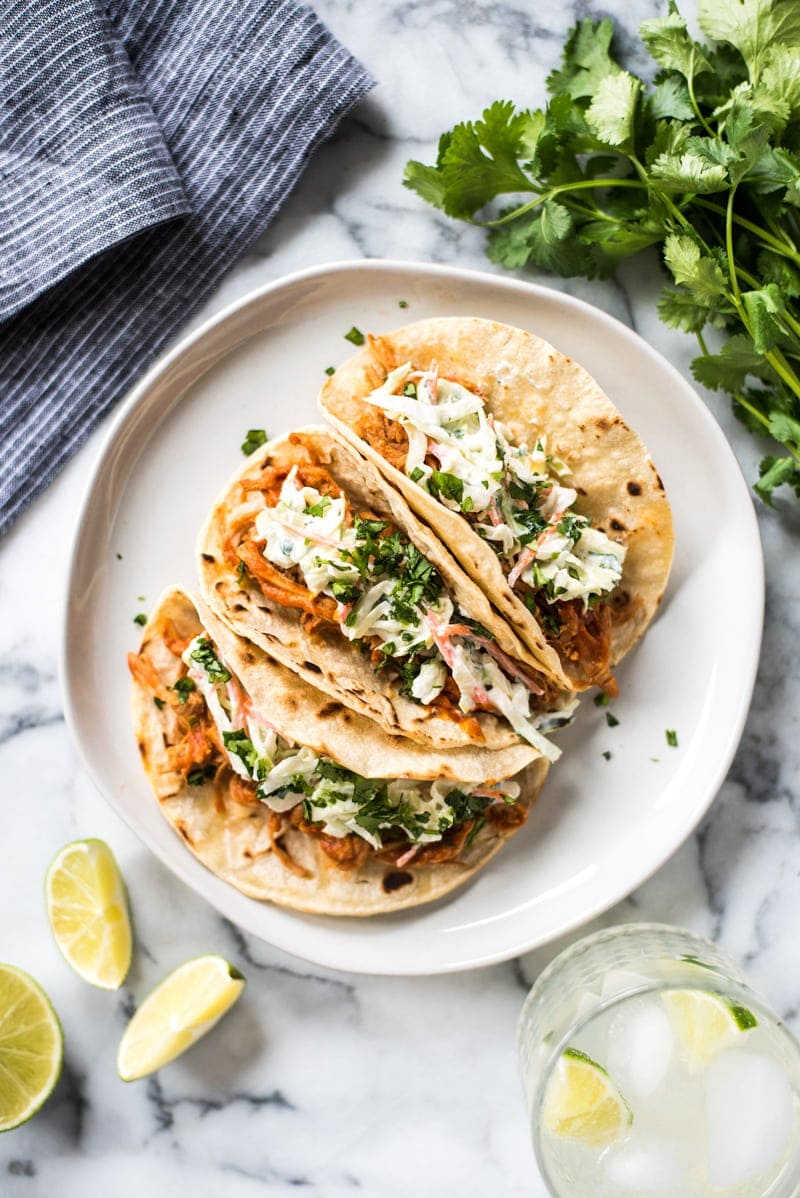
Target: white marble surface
[(318, 1081)]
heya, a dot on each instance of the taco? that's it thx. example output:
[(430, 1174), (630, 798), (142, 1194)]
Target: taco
[(311, 555), (293, 799), (516, 458)]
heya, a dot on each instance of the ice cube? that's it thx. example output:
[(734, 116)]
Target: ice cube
[(645, 1164), (641, 1045), (622, 981), (750, 1113)]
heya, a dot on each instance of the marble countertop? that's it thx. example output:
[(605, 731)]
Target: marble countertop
[(320, 1081)]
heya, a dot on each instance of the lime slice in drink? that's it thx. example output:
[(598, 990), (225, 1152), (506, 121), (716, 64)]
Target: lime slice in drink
[(705, 1022), (181, 1009), (31, 1047), (88, 912), (582, 1103)]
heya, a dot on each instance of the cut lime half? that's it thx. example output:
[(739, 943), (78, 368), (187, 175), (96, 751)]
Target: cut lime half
[(705, 1022), (31, 1047), (173, 1017), (88, 912), (582, 1103)]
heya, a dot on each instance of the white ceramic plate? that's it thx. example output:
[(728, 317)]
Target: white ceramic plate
[(601, 827)]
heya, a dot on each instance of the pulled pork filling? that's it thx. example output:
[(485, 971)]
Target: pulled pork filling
[(307, 549), (440, 435), (214, 732)]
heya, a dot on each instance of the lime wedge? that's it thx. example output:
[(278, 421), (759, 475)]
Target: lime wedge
[(88, 912), (31, 1047), (582, 1103), (181, 1009), (705, 1022)]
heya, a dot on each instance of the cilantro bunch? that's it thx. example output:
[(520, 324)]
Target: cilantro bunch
[(704, 162)]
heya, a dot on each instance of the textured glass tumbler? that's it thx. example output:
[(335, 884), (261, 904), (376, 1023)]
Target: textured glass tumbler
[(572, 1008)]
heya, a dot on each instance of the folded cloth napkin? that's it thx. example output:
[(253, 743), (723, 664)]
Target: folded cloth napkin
[(144, 145)]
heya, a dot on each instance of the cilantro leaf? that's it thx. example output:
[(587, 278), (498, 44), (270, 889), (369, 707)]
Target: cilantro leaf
[(613, 107), (681, 311), (775, 472), (688, 172), (670, 98), (256, 437), (586, 59), (752, 26), (701, 273), (766, 311), (355, 336), (671, 45), (729, 369)]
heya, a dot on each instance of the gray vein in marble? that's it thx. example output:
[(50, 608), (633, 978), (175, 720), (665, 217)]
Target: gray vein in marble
[(337, 985), (165, 1108), (21, 1168)]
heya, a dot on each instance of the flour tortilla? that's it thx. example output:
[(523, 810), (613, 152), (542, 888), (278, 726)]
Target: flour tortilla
[(234, 841), (533, 389), (324, 657)]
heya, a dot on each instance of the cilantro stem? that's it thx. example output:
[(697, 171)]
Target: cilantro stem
[(695, 105), (786, 248), (554, 192), (737, 295)]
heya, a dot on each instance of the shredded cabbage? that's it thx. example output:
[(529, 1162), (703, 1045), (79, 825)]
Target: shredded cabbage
[(511, 494)]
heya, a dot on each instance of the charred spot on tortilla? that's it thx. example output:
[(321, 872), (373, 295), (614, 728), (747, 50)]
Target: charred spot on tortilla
[(603, 423), (395, 879), (309, 665), (329, 709), (208, 557), (634, 488), (181, 828)]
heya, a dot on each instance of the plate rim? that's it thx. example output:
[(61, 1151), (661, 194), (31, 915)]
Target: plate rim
[(127, 410)]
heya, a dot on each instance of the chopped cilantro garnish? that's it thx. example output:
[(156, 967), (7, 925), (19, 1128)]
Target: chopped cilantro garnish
[(329, 370), (199, 774), (119, 557), (480, 822), (572, 525), (416, 474), (611, 720), (240, 744), (256, 437), (159, 703), (141, 619), (607, 754), (672, 738), (467, 504), (355, 336), (402, 303), (318, 509), (241, 570), (183, 688), (208, 661), (602, 700), (410, 390), (448, 486)]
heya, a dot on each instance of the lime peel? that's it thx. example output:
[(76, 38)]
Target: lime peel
[(706, 1022), (88, 911), (31, 1047), (181, 1009), (582, 1103)]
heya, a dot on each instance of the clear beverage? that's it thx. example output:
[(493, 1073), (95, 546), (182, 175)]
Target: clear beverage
[(651, 1068)]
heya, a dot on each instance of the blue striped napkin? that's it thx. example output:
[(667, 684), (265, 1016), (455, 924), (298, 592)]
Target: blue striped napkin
[(144, 145)]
